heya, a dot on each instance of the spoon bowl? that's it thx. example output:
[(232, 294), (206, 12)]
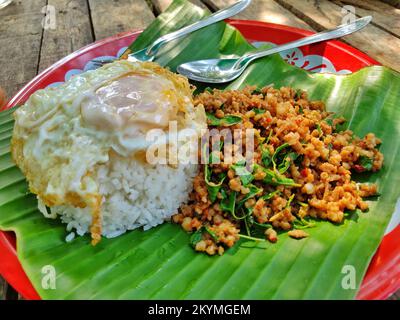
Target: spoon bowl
[(214, 70)]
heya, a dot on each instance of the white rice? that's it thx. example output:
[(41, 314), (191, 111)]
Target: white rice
[(134, 195)]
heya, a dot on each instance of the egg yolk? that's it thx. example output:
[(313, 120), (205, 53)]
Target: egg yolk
[(130, 101)]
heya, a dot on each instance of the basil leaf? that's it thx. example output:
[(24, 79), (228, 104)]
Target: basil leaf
[(298, 93), (230, 120), (287, 160), (257, 91), (253, 192), (214, 158), (245, 176), (228, 204), (276, 153), (212, 234), (258, 111), (290, 201), (262, 225), (226, 121), (282, 180), (268, 196), (275, 178), (213, 120), (318, 126), (265, 157), (223, 194), (366, 162), (213, 192), (196, 237), (301, 223), (213, 187), (329, 121)]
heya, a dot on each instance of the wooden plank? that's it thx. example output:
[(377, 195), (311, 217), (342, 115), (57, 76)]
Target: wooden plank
[(2, 289), (395, 296), (112, 17), (394, 3), (3, 98), (20, 38), (7, 292), (263, 10), (73, 31), (372, 40), (383, 15), (161, 5)]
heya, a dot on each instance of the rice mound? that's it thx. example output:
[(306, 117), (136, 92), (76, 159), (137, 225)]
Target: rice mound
[(135, 194)]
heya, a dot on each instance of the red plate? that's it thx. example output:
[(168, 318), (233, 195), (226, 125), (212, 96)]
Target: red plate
[(383, 275)]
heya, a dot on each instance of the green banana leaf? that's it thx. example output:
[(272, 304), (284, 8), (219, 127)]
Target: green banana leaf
[(159, 263)]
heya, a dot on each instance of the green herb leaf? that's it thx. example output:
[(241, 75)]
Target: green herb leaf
[(268, 196), (214, 158), (253, 192), (301, 223), (212, 187), (228, 204), (298, 93), (223, 193), (257, 91), (262, 225), (287, 160), (265, 157), (290, 201), (226, 121), (366, 162), (240, 170), (213, 192), (269, 136), (196, 237), (329, 121), (318, 126), (303, 204), (276, 153), (212, 234), (275, 178), (258, 111)]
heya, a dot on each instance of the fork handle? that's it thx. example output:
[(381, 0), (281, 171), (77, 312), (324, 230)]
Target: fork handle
[(337, 32), (215, 17)]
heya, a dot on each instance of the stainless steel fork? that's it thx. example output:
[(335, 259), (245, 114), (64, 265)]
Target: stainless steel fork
[(150, 52)]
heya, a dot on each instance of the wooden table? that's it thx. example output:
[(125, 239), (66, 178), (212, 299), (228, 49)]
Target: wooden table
[(26, 48)]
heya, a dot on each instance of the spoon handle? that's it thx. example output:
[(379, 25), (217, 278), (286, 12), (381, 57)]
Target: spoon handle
[(338, 32), (215, 17)]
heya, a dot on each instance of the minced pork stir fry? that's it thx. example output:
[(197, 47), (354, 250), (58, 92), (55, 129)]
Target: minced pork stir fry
[(301, 169)]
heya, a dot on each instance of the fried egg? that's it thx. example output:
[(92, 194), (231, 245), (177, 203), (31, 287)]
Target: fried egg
[(61, 135)]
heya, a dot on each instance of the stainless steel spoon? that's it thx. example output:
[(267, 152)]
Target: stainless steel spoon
[(225, 70)]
